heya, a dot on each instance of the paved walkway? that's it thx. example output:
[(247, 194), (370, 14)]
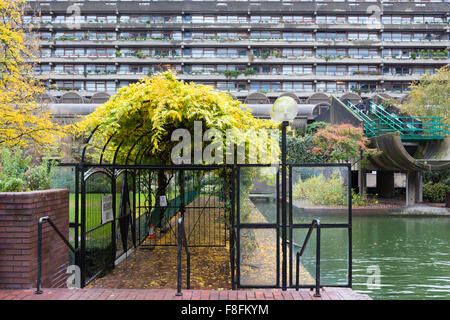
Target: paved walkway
[(161, 294)]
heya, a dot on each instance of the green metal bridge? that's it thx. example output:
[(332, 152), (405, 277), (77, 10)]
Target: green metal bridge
[(378, 121)]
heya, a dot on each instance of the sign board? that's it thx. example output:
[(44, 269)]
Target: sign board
[(107, 209), (162, 201)]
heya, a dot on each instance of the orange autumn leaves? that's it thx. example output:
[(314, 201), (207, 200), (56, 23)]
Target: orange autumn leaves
[(342, 143)]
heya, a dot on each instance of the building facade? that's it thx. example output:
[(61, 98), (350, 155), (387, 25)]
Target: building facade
[(89, 49)]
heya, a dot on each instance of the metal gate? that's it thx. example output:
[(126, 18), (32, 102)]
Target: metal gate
[(306, 245), (116, 204)]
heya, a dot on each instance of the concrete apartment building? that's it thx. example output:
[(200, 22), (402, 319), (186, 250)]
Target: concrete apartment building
[(256, 50)]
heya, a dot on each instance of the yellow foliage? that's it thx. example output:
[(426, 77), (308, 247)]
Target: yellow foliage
[(430, 97), (153, 107), (23, 121)]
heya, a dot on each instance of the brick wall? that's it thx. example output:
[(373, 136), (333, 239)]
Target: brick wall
[(19, 216)]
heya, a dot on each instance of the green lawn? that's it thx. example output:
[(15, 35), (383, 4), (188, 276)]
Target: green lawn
[(94, 207)]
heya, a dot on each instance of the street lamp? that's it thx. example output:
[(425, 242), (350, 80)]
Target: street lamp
[(284, 110)]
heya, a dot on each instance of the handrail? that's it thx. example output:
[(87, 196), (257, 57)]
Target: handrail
[(381, 114), (182, 242), (39, 253), (314, 223)]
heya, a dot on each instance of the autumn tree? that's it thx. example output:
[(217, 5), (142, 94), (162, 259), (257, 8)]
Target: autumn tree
[(24, 121), (342, 143), (430, 97)]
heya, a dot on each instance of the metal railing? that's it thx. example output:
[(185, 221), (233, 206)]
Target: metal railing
[(39, 253), (181, 239), (410, 128), (314, 223)]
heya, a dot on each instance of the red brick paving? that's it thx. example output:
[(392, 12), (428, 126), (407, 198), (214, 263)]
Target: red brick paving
[(166, 294)]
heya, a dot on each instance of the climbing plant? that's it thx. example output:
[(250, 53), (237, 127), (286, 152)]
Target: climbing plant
[(153, 108)]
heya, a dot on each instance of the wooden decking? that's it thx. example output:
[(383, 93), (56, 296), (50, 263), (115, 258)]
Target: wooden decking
[(163, 294)]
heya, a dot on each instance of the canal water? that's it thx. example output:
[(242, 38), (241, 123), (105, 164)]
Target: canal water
[(393, 257)]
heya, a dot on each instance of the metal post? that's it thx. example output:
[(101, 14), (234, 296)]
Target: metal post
[(232, 236), (283, 207), (179, 293), (349, 196), (297, 275), (39, 257), (317, 294), (83, 228), (77, 195), (113, 222)]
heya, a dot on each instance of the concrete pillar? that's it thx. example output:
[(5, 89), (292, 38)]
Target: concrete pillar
[(419, 189), (362, 183), (385, 184), (413, 187)]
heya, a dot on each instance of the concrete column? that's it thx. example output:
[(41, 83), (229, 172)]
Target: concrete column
[(419, 188), (385, 184), (411, 187), (362, 183)]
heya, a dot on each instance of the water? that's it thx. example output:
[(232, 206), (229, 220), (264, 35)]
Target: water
[(412, 255)]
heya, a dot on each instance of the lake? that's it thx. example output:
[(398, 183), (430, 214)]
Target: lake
[(411, 254)]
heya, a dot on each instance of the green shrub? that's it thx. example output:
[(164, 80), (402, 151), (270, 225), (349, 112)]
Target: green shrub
[(299, 150), (358, 201), (17, 174), (435, 192), (320, 190)]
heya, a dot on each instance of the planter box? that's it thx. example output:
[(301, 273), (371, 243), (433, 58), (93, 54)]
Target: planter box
[(19, 215)]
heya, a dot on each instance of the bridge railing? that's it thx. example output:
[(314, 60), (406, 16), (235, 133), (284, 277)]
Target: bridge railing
[(367, 121), (412, 128), (380, 113)]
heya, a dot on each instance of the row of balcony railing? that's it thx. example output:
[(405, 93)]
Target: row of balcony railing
[(395, 89), (81, 20), (253, 36), (224, 1), (236, 74), (439, 55)]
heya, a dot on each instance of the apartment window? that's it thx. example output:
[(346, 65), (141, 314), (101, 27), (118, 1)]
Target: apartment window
[(67, 69), (41, 68), (418, 19), (187, 52), (297, 36), (288, 52), (260, 52), (197, 52), (197, 19), (100, 52), (226, 86), (70, 84), (297, 69), (330, 52), (265, 86)]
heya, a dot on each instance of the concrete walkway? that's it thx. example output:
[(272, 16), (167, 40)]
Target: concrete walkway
[(162, 294)]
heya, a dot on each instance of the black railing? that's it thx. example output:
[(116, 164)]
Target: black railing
[(314, 223), (39, 253), (181, 240)]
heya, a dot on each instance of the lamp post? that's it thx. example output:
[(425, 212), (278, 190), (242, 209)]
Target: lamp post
[(284, 110)]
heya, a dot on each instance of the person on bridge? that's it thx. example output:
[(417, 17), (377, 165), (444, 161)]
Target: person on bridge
[(361, 107)]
